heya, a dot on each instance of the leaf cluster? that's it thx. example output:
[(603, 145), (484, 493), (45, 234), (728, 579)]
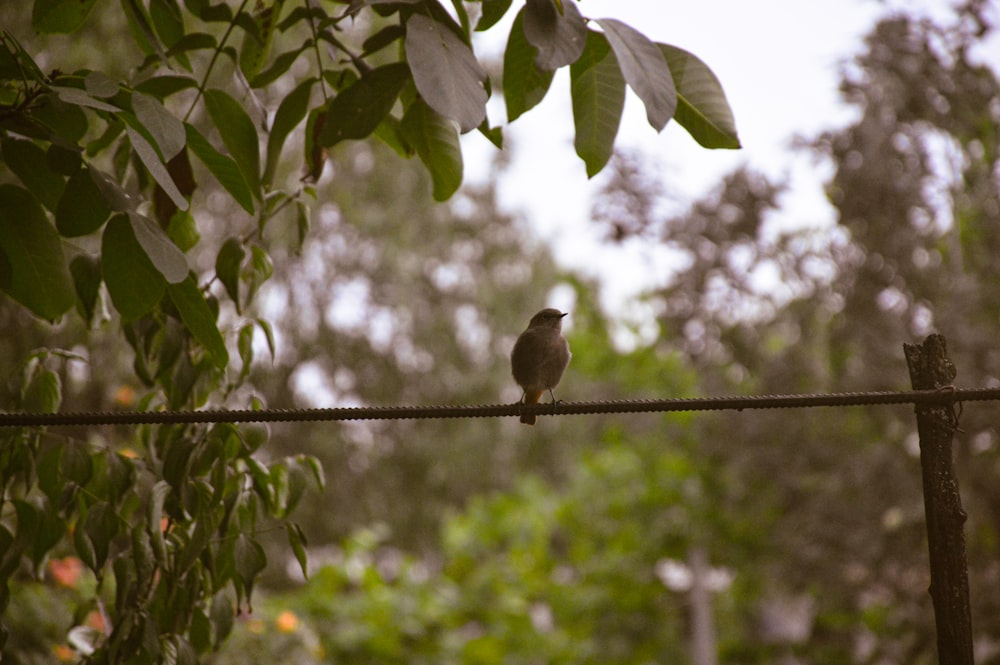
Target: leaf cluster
[(104, 199)]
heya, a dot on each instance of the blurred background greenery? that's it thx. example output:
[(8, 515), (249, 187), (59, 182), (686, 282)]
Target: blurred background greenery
[(761, 537)]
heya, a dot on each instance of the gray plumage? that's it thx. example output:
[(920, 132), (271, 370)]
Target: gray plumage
[(540, 357)]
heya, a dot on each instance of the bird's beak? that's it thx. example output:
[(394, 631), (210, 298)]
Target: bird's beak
[(563, 314)]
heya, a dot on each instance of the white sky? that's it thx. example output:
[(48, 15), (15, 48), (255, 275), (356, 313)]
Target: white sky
[(778, 61)]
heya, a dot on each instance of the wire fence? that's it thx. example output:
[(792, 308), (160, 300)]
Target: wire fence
[(948, 396)]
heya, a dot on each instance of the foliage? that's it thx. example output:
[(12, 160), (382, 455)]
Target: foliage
[(571, 575), (109, 164), (768, 309)]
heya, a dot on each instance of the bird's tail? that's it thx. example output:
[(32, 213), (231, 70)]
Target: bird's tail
[(530, 397)]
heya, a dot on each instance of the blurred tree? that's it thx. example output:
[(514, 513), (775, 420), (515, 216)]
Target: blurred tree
[(770, 310), (396, 300), (579, 571)]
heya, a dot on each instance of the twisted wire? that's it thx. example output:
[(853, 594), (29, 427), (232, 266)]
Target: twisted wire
[(944, 397)]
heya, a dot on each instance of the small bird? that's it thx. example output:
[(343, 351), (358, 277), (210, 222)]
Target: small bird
[(540, 357)]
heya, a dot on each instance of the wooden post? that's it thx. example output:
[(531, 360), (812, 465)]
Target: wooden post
[(930, 369)]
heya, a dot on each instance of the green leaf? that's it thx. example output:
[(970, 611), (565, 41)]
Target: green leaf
[(101, 527), (198, 318), (142, 30), (175, 461), (257, 45), (559, 37), (598, 91), (183, 231), (492, 134), (118, 473), (99, 85), (162, 252), (50, 480), (265, 327), (389, 133), (493, 11), (78, 97), (164, 86), (125, 580), (67, 121), (63, 160), (86, 272), (290, 113), (143, 555), (75, 463), (227, 268), (149, 157), (259, 271), (10, 558), (436, 142), (39, 278), (30, 163), (446, 72), (165, 128), (262, 481), (300, 14), (702, 107), (359, 108), (116, 197), (297, 541), (60, 16), (254, 435), (223, 167), (317, 469), (201, 629), (238, 135), (281, 64), (84, 548), (244, 344), (15, 62), (301, 224), (157, 496), (166, 18), (134, 283), (315, 154), (107, 137), (249, 558), (645, 69), (195, 41), (222, 616), (381, 39), (82, 208), (39, 526), (524, 84), (44, 393), (217, 13)]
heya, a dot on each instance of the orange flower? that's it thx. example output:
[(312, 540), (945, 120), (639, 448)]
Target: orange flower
[(64, 653), (96, 621), (66, 572), (287, 622), (124, 396)]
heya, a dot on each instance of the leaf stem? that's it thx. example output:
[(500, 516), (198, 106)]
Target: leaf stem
[(319, 56), (215, 57)]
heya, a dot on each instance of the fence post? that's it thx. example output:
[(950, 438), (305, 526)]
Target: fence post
[(930, 369)]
